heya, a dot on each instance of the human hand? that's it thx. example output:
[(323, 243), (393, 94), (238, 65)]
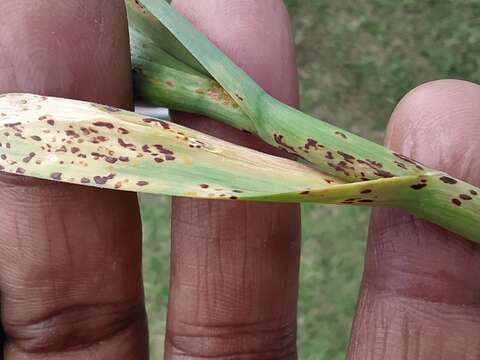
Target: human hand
[(70, 267), (70, 256)]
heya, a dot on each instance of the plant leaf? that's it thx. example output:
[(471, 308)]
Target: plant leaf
[(96, 145), (321, 145), (148, 30), (90, 144)]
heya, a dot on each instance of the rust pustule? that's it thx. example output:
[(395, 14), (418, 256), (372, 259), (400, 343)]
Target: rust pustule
[(418, 186), (457, 202), (104, 124), (56, 176), (448, 180)]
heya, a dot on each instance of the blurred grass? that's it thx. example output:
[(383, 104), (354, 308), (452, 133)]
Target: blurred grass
[(356, 60)]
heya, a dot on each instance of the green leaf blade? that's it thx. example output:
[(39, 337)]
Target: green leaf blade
[(90, 144), (95, 145)]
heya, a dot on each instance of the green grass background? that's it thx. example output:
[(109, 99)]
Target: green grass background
[(356, 60)]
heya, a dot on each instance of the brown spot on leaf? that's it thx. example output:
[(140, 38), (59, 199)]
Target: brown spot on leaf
[(342, 135), (125, 144), (100, 138), (418, 186), (20, 171), (142, 183), (51, 122), (29, 157), (384, 174), (371, 163), (366, 191), (161, 150), (36, 138), (74, 150), (124, 158), (14, 126), (106, 124), (96, 155), (349, 158), (312, 143), (100, 180), (305, 192), (407, 159), (448, 180), (56, 176), (279, 139), (457, 202), (465, 197), (473, 192), (72, 133), (339, 168), (85, 180), (164, 124), (204, 186)]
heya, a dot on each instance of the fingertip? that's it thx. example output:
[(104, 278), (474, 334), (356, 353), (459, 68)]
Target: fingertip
[(256, 35), (70, 49), (438, 124)]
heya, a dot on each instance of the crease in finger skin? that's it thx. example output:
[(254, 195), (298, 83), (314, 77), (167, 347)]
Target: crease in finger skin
[(234, 276)]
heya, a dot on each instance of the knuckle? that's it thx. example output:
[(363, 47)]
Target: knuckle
[(74, 327), (232, 342)]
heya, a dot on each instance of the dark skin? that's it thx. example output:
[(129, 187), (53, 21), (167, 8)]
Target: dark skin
[(70, 256)]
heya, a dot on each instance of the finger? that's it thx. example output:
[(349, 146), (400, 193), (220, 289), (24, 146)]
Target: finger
[(420, 295), (70, 274), (234, 278)]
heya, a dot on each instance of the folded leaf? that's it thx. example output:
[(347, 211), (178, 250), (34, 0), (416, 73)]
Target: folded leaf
[(403, 182)]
